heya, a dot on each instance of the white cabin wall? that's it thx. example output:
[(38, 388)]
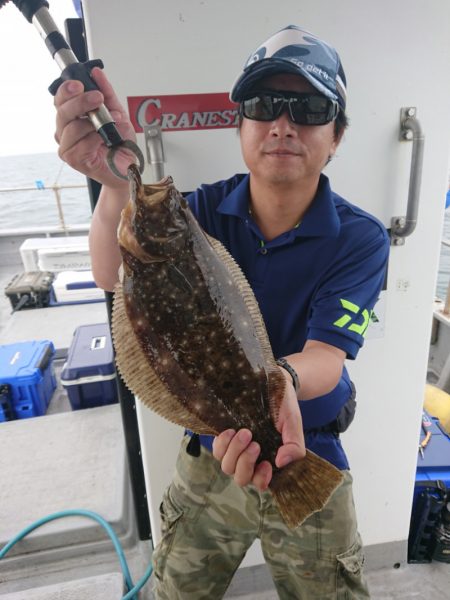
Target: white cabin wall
[(395, 54)]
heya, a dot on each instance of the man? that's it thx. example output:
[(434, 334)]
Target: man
[(316, 264)]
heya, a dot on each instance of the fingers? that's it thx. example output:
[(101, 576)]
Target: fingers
[(79, 144), (291, 428), (73, 103), (71, 88), (221, 443), (228, 447), (71, 107), (73, 133), (238, 455), (288, 453), (111, 100), (263, 475), (66, 90), (85, 154), (245, 465)]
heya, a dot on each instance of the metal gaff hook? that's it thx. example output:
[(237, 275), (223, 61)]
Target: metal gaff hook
[(134, 148)]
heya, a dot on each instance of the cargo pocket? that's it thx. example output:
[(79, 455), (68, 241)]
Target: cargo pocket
[(194, 480), (350, 582), (170, 518)]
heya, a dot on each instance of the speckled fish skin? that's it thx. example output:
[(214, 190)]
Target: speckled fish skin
[(191, 322), (191, 342)]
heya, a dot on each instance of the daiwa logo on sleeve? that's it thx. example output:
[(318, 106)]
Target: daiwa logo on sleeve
[(358, 321), (183, 112)]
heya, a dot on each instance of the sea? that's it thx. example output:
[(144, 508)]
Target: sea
[(37, 207)]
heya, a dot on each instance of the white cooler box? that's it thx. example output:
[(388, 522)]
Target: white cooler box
[(76, 286), (55, 254), (63, 259)]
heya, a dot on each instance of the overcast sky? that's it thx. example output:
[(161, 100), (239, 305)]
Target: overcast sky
[(27, 115)]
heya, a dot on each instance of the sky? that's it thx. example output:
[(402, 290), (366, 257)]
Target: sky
[(27, 114)]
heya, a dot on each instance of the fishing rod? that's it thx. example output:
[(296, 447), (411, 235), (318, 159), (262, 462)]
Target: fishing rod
[(36, 12)]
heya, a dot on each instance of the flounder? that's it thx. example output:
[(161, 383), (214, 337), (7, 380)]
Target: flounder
[(191, 342)]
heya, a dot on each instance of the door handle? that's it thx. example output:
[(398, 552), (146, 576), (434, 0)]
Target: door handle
[(410, 130)]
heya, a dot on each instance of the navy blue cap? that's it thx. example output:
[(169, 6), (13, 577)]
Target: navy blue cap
[(293, 50)]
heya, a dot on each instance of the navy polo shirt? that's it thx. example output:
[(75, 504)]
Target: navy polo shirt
[(318, 281)]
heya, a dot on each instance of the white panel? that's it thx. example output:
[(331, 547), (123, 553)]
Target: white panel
[(395, 54), (160, 441)]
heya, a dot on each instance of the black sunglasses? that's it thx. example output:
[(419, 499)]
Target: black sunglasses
[(303, 108)]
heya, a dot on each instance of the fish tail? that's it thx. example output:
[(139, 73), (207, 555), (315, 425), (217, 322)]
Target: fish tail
[(304, 487)]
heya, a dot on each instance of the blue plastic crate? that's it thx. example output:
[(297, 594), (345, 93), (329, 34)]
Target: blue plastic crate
[(89, 375), (25, 410), (27, 368)]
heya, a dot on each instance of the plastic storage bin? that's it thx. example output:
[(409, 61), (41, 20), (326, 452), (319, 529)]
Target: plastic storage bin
[(89, 374), (30, 290), (27, 368)]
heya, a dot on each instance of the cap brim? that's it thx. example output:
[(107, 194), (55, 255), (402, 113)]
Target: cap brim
[(245, 83)]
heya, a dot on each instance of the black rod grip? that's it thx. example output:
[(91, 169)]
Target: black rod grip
[(80, 72), (29, 7)]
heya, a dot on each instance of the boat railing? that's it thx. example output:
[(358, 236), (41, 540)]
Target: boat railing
[(62, 227)]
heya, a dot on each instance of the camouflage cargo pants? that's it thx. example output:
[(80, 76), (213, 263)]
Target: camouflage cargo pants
[(209, 523)]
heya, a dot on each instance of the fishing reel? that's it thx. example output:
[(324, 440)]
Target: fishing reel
[(36, 12)]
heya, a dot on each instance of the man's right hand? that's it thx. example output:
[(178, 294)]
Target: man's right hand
[(80, 146)]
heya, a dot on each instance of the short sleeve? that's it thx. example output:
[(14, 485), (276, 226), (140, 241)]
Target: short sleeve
[(343, 303)]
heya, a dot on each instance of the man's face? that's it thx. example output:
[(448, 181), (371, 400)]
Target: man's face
[(281, 152)]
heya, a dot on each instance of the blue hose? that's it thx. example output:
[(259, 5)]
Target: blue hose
[(132, 589)]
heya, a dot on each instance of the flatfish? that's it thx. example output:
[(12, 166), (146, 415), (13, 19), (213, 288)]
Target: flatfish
[(191, 342)]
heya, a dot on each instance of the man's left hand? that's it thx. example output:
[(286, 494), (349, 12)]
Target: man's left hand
[(238, 453)]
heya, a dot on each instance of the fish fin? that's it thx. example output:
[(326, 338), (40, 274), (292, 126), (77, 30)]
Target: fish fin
[(276, 385), (303, 487), (276, 380), (139, 376)]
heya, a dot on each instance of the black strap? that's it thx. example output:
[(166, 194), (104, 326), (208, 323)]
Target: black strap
[(282, 362)]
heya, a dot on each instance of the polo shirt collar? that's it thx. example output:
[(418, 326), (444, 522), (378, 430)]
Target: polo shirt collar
[(321, 219)]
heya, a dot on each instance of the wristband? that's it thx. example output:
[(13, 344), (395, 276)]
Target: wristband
[(282, 362)]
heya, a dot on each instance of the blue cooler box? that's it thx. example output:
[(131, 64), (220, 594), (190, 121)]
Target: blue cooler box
[(27, 369), (89, 375)]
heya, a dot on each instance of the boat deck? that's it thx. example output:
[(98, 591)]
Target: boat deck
[(405, 582)]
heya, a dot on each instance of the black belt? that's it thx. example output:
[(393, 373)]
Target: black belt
[(330, 428)]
